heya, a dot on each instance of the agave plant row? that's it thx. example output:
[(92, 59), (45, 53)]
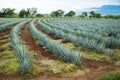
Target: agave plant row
[(56, 48), (5, 25), (21, 51), (97, 43)]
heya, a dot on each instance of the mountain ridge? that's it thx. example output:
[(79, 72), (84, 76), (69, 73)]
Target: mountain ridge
[(104, 10)]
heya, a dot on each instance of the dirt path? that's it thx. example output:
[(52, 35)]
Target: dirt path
[(98, 68), (4, 33), (10, 77), (94, 69), (30, 42), (50, 35), (3, 37)]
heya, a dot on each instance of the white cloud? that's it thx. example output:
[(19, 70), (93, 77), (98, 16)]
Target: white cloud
[(46, 6)]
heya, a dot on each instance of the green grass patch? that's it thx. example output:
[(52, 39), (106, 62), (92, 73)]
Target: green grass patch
[(111, 76), (96, 56), (52, 66), (88, 53), (117, 56), (7, 54), (9, 67), (55, 66), (6, 46), (70, 45), (8, 63)]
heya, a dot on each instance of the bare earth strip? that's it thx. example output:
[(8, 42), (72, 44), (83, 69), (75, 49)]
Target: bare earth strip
[(30, 42)]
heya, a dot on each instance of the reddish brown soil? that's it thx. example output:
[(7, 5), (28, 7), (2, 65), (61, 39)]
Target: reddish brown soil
[(96, 63), (99, 68), (29, 40), (10, 77), (4, 33), (95, 72), (4, 37), (50, 35)]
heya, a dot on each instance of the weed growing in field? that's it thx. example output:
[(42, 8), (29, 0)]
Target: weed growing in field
[(9, 63), (111, 76)]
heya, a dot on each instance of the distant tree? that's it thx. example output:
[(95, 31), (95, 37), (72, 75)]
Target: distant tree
[(57, 13), (110, 16), (23, 13), (84, 14), (97, 15), (70, 13), (7, 12), (60, 12), (39, 15), (80, 16), (92, 14), (31, 12), (117, 17), (53, 14)]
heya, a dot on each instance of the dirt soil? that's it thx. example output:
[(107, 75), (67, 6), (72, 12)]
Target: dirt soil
[(94, 69), (10, 77), (50, 35), (29, 41), (4, 37), (4, 33)]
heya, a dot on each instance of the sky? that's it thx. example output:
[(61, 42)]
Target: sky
[(47, 6)]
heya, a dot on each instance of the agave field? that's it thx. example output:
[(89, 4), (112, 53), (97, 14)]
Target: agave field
[(58, 48)]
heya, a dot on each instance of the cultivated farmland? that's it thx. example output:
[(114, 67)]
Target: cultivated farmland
[(58, 48)]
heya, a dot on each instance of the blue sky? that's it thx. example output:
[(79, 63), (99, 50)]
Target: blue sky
[(47, 6)]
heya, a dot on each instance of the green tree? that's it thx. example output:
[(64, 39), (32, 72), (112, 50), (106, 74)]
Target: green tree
[(84, 14), (57, 13), (110, 16), (97, 15), (70, 13), (31, 12), (92, 14), (23, 13), (5, 12), (53, 14), (39, 15)]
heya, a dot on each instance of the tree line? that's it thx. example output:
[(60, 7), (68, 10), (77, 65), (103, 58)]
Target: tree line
[(32, 13)]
